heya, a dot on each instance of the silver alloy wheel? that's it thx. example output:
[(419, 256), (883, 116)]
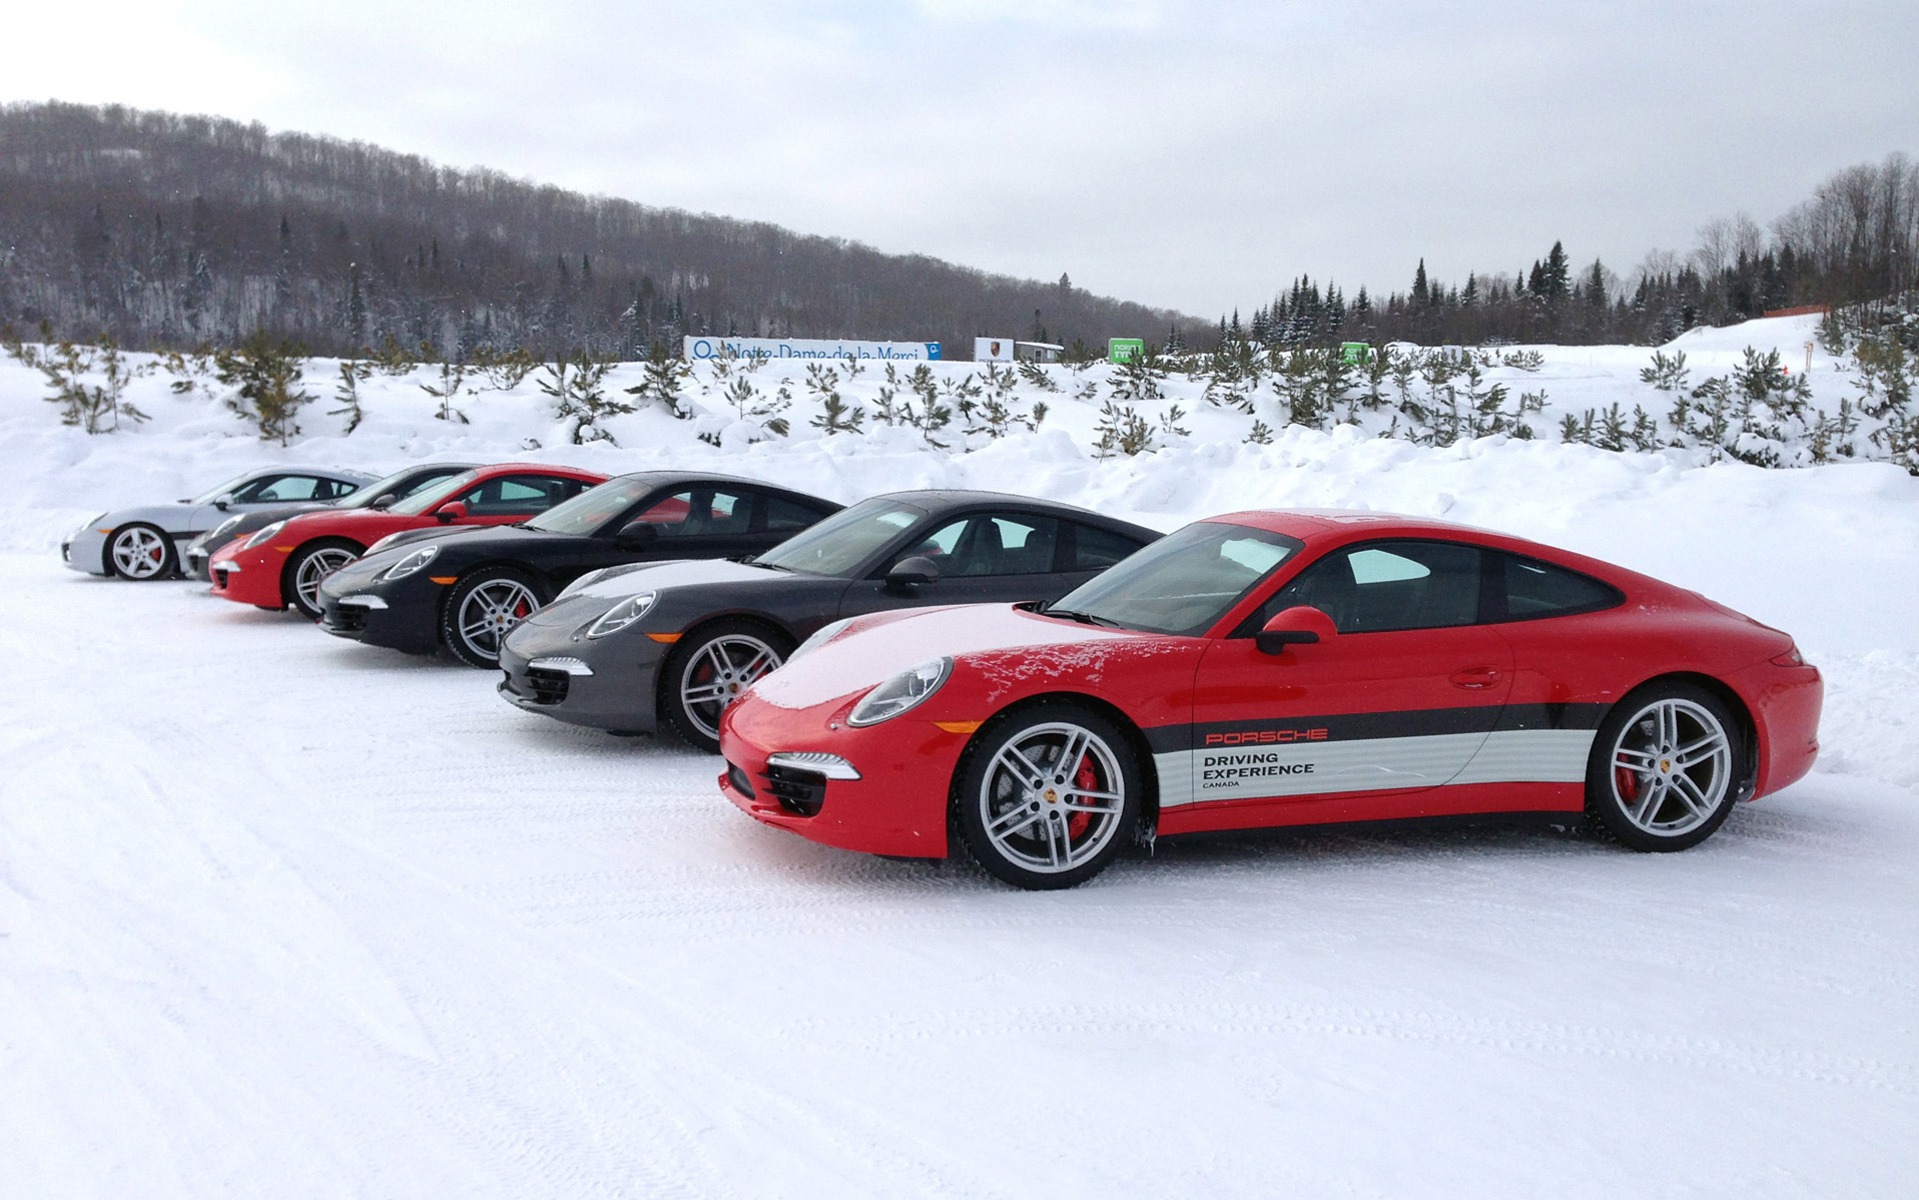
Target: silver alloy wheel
[(715, 676), (493, 610), (139, 552), (1671, 767), (316, 567), (1052, 797)]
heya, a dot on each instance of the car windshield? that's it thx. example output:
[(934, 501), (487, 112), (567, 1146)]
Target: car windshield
[(840, 543), (394, 484), (446, 489), (1185, 582), (585, 513), (233, 484)]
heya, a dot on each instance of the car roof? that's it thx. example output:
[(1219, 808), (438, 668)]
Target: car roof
[(1305, 523), (942, 499), (554, 468), (1333, 527), (309, 469)]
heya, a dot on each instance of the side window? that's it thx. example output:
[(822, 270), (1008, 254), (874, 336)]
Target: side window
[(669, 514), (296, 487), (1096, 549), (1383, 586), (788, 516), (255, 491), (515, 495), (940, 545), (700, 512), (722, 513), (1535, 589), (423, 481), (996, 545)]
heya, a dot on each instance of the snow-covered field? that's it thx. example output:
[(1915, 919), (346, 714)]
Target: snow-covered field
[(286, 916)]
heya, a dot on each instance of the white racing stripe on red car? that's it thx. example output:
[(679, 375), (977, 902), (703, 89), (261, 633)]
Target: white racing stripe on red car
[(1372, 764)]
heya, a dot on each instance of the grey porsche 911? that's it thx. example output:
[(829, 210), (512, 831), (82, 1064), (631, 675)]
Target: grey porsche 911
[(626, 647)]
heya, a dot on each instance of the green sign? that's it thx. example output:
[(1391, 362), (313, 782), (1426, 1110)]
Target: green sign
[(1354, 352), (1122, 350)]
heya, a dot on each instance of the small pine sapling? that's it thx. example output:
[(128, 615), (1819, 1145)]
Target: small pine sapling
[(346, 389), (576, 381), (1668, 372), (264, 373), (448, 389), (1036, 376), (664, 375)]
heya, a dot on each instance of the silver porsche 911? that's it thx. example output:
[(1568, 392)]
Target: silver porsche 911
[(144, 542)]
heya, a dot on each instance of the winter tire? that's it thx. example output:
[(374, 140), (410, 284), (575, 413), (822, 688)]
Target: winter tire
[(1666, 768), (482, 609), (709, 669), (1049, 797), (140, 551), (311, 563)]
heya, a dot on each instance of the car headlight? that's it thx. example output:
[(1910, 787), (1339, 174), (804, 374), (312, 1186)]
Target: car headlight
[(89, 523), (901, 692), (383, 543), (821, 636), (264, 536), (413, 562), (227, 526), (623, 614)]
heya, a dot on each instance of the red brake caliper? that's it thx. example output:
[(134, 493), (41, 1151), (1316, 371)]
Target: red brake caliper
[(1086, 779)]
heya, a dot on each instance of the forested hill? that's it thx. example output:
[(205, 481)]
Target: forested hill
[(167, 230)]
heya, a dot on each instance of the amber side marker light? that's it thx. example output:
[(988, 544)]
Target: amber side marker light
[(664, 639), (443, 579), (959, 726)]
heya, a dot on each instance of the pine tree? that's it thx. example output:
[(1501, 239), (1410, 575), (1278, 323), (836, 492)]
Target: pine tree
[(264, 373)]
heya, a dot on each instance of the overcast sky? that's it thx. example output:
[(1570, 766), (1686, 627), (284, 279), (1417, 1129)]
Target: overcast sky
[(1195, 156)]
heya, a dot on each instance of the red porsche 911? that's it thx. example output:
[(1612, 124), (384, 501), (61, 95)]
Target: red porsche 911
[(1269, 669)]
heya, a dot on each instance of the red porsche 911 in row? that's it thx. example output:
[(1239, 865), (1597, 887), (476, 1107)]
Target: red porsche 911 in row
[(1271, 669)]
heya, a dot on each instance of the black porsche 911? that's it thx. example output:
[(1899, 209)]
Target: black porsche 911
[(622, 648), (466, 588)]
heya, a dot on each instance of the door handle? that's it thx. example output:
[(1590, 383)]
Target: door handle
[(1475, 677)]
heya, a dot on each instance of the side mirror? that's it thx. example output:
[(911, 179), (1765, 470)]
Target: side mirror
[(908, 572), (382, 503), (450, 512), (222, 502), (1300, 625), (637, 535)]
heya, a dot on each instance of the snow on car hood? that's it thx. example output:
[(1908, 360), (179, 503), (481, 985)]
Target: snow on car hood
[(858, 660), (617, 583)]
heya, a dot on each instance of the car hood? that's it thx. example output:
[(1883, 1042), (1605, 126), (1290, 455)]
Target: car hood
[(169, 518), (617, 583), (973, 636)]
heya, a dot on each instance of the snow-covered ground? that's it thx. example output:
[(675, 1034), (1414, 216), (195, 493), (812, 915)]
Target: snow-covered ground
[(281, 915)]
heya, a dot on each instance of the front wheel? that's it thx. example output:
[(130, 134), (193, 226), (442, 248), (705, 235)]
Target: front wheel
[(708, 670), (482, 609), (311, 564), (1048, 798), (140, 551), (1666, 768)]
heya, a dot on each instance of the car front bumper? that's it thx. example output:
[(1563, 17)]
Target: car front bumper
[(249, 576), (611, 684), (85, 550), (408, 622), (897, 806)]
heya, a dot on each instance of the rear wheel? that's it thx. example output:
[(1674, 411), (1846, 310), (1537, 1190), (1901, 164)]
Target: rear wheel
[(710, 668), (140, 551), (1666, 768), (310, 564), (482, 609), (1048, 798)]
